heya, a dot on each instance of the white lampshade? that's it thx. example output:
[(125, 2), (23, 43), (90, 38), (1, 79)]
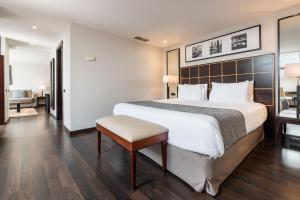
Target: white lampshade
[(292, 70), (170, 79)]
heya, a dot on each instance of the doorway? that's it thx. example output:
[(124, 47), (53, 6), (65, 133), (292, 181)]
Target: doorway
[(26, 78), (59, 82)]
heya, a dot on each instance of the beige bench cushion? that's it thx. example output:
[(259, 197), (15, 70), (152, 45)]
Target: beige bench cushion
[(129, 128)]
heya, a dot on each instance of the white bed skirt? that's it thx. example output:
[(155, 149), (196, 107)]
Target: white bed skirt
[(202, 172)]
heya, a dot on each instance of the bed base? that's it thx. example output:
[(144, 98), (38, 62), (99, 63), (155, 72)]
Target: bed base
[(202, 172)]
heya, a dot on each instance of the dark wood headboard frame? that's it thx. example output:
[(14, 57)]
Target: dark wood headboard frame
[(260, 69)]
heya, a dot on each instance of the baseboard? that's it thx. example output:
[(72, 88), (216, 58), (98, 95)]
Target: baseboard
[(52, 115), (76, 132), (66, 129), (5, 123), (80, 131)]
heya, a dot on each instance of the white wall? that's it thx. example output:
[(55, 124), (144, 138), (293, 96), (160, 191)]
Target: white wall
[(66, 39), (124, 70), (29, 75), (30, 67), (67, 76), (269, 37)]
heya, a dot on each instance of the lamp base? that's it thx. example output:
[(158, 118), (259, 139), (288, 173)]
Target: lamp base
[(168, 91)]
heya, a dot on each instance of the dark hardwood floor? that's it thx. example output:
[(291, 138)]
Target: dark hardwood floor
[(38, 160)]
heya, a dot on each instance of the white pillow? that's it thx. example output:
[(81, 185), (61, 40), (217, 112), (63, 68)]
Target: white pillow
[(230, 92), (192, 92)]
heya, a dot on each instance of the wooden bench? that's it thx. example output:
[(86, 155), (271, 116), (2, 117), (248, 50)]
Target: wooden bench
[(133, 134)]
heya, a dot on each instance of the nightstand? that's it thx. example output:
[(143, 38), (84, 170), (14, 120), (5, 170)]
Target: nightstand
[(40, 101), (281, 119)]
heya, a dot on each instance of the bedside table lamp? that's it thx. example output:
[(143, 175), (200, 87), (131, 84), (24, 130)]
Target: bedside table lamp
[(293, 71), (42, 87), (170, 80)]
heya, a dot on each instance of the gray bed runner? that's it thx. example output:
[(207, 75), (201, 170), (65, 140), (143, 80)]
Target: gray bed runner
[(231, 122)]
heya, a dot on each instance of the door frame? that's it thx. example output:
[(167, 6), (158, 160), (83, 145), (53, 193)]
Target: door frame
[(2, 91), (59, 81)]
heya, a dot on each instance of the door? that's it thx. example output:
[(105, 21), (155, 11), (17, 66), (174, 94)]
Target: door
[(59, 82)]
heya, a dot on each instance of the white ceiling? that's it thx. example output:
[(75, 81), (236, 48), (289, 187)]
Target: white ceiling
[(157, 20)]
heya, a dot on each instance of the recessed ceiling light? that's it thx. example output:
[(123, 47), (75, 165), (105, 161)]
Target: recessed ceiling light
[(34, 27), (165, 41)]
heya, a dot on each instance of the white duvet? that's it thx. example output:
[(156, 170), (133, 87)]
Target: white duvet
[(195, 132)]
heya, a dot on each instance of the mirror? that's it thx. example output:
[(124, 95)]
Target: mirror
[(289, 66), (52, 84), (173, 64)]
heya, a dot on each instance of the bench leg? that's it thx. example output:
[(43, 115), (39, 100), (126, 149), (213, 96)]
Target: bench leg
[(133, 168), (164, 155), (99, 142)]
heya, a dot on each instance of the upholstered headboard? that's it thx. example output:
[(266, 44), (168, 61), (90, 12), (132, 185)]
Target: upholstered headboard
[(259, 68)]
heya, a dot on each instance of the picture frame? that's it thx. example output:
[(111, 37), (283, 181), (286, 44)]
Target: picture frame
[(241, 41)]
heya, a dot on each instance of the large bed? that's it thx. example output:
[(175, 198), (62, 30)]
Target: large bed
[(198, 152), (195, 132)]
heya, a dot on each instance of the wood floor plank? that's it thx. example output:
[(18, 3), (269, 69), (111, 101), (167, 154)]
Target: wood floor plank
[(59, 180), (103, 169), (138, 196)]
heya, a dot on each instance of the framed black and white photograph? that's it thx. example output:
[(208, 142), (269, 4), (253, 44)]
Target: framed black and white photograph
[(197, 51), (239, 41), (215, 47), (232, 43)]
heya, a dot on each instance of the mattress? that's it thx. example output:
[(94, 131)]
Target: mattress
[(195, 132)]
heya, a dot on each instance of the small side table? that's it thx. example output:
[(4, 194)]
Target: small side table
[(41, 101), (283, 118), (47, 102)]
